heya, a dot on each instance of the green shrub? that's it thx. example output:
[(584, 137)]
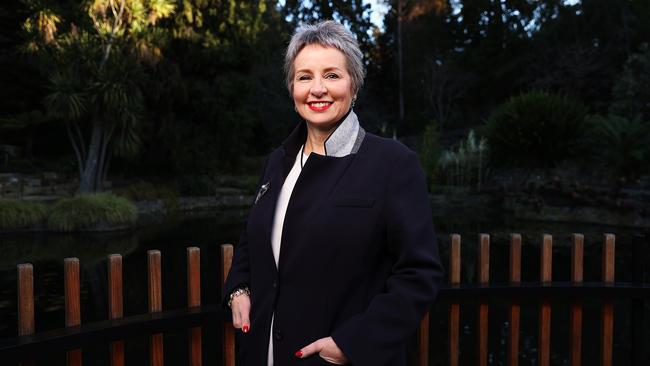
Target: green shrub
[(536, 130), (631, 92), (17, 214), (430, 152), (464, 166), (146, 191), (623, 145), (89, 210)]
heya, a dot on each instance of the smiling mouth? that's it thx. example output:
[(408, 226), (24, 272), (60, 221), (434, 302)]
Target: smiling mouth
[(319, 106)]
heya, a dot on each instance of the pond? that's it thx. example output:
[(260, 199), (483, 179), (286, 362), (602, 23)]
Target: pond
[(208, 231)]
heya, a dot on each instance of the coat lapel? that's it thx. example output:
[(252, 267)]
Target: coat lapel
[(314, 188)]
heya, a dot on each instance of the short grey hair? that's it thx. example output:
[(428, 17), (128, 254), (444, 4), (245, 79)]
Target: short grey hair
[(327, 34)]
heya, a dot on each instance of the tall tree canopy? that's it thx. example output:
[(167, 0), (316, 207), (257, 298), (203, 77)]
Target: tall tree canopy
[(93, 57), (185, 88)]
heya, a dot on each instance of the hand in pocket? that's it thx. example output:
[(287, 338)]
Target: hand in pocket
[(325, 348)]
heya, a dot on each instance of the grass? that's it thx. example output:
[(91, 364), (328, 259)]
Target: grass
[(145, 191), (17, 214), (89, 210)]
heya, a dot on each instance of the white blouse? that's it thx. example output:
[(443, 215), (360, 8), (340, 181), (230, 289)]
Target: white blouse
[(278, 222)]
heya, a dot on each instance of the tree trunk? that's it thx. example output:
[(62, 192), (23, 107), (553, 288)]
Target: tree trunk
[(107, 135), (76, 147), (88, 179), (104, 174)]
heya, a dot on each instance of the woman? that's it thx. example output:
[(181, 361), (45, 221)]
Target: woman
[(338, 262)]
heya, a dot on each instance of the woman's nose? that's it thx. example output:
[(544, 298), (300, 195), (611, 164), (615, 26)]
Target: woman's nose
[(318, 88)]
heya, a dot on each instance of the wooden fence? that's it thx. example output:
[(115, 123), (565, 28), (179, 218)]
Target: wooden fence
[(113, 331)]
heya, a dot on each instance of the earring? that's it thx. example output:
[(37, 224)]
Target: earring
[(354, 100)]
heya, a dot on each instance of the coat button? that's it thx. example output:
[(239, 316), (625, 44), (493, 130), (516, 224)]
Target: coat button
[(275, 284), (277, 335)]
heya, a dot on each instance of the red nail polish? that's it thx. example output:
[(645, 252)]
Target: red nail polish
[(299, 354), (245, 329)]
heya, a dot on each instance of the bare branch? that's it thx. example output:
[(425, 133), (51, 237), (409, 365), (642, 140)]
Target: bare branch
[(121, 13), (116, 24), (113, 10)]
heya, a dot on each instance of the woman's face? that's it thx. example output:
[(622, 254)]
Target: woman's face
[(322, 88)]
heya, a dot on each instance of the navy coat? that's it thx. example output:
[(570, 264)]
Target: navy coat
[(358, 262)]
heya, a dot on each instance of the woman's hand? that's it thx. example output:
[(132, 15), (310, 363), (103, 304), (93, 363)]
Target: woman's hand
[(326, 349), (241, 308)]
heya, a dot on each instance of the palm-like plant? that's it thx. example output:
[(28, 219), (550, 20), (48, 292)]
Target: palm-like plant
[(96, 77), (622, 144), (464, 166)]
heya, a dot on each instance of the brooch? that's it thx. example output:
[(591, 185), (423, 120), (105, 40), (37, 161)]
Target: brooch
[(263, 189)]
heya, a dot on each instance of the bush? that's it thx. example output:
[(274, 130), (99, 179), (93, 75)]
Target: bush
[(536, 130), (464, 166), (430, 152), (146, 191), (632, 90), (91, 210), (623, 145), (17, 214)]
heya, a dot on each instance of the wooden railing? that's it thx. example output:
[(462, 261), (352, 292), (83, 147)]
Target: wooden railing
[(455, 294), (116, 328), (546, 290)]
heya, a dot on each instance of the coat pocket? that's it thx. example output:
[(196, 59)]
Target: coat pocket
[(354, 202), (322, 361)]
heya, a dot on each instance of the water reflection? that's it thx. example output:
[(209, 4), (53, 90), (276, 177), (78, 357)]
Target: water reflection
[(46, 252)]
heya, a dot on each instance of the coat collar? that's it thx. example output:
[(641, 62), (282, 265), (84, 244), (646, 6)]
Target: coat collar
[(345, 140)]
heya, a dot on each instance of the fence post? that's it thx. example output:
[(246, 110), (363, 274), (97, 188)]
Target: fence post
[(607, 314), (155, 305), (637, 314), (515, 308), (194, 300), (115, 305), (575, 317), (72, 304), (228, 329), (546, 269), (26, 324), (454, 307), (483, 308)]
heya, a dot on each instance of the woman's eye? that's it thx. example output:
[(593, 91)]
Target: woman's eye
[(331, 76), (303, 77)]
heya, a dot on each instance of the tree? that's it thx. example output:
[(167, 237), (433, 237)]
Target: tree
[(445, 86), (352, 13), (632, 90), (218, 95), (93, 57), (416, 8)]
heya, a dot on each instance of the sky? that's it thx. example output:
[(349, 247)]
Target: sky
[(378, 10), (380, 7)]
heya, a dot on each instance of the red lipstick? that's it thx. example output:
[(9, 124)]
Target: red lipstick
[(323, 106)]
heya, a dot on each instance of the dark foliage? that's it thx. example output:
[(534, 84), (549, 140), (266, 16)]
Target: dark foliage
[(535, 130)]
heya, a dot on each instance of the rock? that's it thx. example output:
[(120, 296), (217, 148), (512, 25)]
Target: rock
[(50, 177)]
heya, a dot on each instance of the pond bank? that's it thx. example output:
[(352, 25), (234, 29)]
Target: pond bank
[(625, 209)]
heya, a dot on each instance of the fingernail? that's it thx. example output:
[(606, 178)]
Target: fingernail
[(244, 329), (299, 354)]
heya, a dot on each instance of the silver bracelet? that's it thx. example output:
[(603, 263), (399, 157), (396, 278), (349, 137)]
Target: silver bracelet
[(237, 292)]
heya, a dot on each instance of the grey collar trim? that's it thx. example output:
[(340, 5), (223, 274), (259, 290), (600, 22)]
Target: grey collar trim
[(346, 139)]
